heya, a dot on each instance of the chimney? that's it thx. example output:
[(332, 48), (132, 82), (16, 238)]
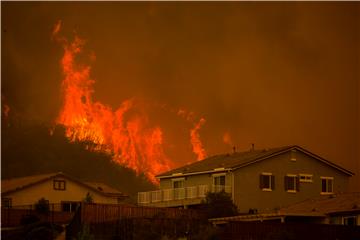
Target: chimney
[(252, 147), (234, 149)]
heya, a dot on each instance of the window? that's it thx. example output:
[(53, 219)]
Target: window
[(327, 185), (267, 182), (59, 185), (219, 182), (69, 206), (291, 183), (305, 177), (6, 202), (178, 183), (350, 220)]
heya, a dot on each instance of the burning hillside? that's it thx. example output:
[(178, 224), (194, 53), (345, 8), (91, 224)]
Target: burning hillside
[(125, 132)]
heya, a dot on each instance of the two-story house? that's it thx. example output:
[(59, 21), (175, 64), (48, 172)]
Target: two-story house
[(257, 179)]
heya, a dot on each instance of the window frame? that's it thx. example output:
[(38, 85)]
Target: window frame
[(219, 175), (327, 179), (271, 180), (177, 180), (58, 186), (295, 189)]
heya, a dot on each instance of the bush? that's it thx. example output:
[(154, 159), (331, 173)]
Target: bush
[(219, 204), (42, 206)]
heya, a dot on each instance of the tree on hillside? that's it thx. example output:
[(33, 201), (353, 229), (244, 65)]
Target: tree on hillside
[(219, 204)]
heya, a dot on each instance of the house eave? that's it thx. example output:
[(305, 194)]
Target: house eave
[(195, 173)]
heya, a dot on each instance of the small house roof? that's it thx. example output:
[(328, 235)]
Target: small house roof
[(16, 184), (326, 204), (237, 160)]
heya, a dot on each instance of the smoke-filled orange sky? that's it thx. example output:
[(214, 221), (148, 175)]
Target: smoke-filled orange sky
[(271, 74)]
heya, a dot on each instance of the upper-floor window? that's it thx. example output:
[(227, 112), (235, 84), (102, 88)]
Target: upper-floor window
[(267, 182), (59, 185), (327, 185), (291, 183), (305, 177), (219, 180), (178, 183), (6, 202)]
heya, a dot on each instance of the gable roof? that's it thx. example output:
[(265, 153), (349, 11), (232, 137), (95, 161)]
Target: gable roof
[(17, 184), (226, 162)]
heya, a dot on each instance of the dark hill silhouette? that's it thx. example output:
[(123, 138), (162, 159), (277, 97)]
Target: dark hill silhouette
[(28, 149)]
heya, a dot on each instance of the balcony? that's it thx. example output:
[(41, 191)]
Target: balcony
[(179, 196)]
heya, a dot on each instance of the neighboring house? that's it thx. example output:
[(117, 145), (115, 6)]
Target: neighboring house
[(258, 180), (341, 208), (56, 188)]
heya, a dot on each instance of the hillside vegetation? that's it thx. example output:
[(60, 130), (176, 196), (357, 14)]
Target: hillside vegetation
[(28, 149)]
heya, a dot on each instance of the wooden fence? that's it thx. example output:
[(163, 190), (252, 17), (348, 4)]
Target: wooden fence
[(11, 217), (97, 213), (291, 231), (121, 221)]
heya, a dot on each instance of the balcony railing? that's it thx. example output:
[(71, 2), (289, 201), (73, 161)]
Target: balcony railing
[(219, 188), (172, 194)]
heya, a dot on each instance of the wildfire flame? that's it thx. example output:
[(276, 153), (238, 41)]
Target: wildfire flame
[(196, 143), (125, 132), (134, 143)]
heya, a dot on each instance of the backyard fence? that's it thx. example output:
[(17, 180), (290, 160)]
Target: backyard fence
[(107, 221), (11, 217)]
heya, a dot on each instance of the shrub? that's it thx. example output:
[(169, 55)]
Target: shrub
[(42, 206)]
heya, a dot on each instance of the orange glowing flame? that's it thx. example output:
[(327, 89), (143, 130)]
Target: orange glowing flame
[(196, 143), (125, 133)]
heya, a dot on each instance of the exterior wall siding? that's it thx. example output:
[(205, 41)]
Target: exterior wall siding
[(72, 192), (247, 193)]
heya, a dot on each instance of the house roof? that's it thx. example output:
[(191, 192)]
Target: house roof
[(327, 204), (16, 184), (103, 187), (237, 160)]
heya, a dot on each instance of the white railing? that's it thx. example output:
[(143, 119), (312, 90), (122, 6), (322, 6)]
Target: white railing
[(156, 196), (144, 197), (179, 193), (168, 194), (203, 189), (191, 192)]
